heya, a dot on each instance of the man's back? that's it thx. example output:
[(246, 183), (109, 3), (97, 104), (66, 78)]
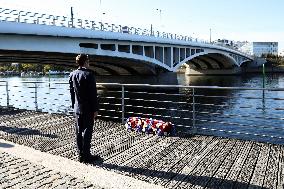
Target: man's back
[(83, 91), (84, 101)]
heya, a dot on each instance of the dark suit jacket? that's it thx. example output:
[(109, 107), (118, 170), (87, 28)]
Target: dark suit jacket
[(83, 91)]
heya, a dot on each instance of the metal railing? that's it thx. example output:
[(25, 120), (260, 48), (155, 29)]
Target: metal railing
[(247, 113)]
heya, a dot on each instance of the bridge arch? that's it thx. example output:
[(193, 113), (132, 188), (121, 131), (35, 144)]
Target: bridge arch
[(210, 60)]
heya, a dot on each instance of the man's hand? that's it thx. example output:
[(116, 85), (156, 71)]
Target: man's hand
[(95, 115)]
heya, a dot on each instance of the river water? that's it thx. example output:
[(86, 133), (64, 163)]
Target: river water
[(242, 114)]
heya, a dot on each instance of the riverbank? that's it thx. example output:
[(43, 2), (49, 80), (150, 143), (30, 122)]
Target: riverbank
[(270, 69), (235, 71), (33, 73)]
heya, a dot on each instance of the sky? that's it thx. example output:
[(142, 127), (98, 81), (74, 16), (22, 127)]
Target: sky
[(238, 20)]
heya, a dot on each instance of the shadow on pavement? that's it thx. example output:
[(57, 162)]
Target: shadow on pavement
[(203, 181), (5, 145), (25, 131)]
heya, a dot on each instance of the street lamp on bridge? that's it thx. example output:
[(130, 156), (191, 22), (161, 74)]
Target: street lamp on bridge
[(210, 35), (160, 17), (72, 17), (160, 13)]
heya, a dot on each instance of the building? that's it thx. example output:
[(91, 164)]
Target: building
[(263, 48)]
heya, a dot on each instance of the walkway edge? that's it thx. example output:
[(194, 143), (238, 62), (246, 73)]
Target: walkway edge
[(97, 176)]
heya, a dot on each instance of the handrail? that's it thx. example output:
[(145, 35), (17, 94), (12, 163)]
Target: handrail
[(164, 86)]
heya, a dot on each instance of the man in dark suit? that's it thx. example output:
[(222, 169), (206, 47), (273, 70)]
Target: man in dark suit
[(84, 101)]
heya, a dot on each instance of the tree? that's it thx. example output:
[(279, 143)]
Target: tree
[(28, 67), (274, 60), (46, 68)]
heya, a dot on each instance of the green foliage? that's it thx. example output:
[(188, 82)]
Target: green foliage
[(28, 67), (281, 62), (274, 60), (32, 67), (46, 68)]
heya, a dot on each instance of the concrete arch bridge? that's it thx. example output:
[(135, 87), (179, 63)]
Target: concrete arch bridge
[(113, 52)]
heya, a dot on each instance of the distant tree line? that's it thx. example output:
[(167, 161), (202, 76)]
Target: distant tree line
[(275, 60), (32, 67)]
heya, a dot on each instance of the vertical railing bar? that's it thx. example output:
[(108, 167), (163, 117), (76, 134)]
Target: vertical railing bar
[(122, 104), (7, 93), (193, 110), (36, 105)]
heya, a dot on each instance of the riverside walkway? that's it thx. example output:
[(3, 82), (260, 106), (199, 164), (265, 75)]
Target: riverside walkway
[(37, 150)]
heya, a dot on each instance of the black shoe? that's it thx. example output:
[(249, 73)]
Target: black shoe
[(92, 158), (81, 159)]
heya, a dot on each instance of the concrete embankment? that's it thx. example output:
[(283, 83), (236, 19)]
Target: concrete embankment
[(278, 69), (235, 71)]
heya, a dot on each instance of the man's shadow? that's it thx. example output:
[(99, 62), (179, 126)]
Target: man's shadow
[(6, 145), (25, 131), (203, 181)]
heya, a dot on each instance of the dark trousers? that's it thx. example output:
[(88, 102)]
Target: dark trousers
[(84, 129)]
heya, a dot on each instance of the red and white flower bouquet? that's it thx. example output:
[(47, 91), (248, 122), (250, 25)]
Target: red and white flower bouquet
[(150, 126)]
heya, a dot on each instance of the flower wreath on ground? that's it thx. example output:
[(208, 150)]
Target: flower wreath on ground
[(150, 126)]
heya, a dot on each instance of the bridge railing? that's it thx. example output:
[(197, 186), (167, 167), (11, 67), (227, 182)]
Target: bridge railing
[(47, 19), (246, 113)]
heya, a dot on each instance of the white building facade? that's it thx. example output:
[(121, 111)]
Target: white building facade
[(263, 48)]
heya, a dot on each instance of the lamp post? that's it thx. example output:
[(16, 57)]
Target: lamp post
[(160, 16), (210, 35), (102, 24), (72, 17), (100, 11), (103, 14), (160, 13)]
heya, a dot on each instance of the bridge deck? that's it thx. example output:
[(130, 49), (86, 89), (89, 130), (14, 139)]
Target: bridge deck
[(173, 162)]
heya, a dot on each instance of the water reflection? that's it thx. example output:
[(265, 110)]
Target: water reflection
[(243, 114), (223, 81)]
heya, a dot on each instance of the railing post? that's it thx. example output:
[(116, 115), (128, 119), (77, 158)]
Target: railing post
[(93, 25), (53, 21), (112, 27), (19, 17), (36, 105), (122, 104), (120, 28), (7, 93), (193, 111)]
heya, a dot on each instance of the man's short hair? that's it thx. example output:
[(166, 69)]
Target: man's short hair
[(81, 59)]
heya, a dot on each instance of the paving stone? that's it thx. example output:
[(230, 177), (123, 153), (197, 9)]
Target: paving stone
[(168, 161), (19, 173)]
